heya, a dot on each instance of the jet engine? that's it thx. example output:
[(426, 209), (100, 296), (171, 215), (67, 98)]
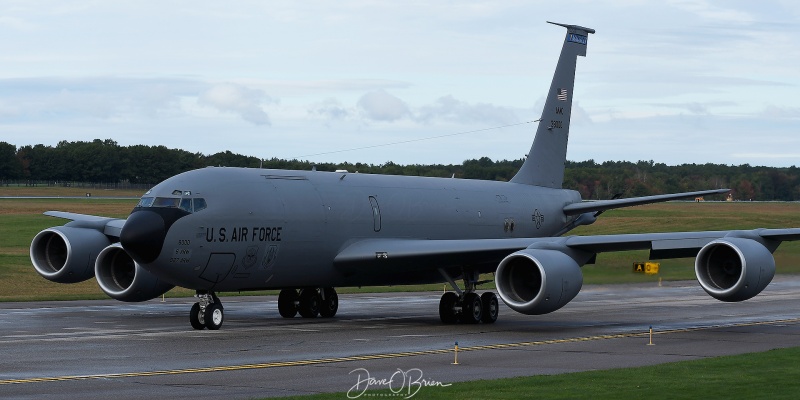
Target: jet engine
[(538, 281), (123, 279), (66, 254), (734, 269)]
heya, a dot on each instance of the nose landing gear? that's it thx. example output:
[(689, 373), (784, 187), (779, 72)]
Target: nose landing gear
[(207, 313)]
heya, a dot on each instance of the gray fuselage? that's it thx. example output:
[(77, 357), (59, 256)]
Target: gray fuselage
[(266, 229)]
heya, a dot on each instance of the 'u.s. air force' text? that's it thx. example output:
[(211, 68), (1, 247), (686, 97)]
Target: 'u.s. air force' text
[(244, 234)]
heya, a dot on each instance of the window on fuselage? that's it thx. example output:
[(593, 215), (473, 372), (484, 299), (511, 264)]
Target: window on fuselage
[(187, 204), (199, 204), (166, 202), (145, 202)]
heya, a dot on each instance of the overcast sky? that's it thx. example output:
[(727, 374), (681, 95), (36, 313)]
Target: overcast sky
[(670, 81)]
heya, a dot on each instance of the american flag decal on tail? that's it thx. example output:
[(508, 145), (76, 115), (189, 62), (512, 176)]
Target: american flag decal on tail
[(562, 94)]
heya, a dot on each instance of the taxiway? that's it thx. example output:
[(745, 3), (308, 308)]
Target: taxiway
[(107, 349)]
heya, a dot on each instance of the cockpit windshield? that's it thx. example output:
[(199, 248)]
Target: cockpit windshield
[(187, 202), (166, 202)]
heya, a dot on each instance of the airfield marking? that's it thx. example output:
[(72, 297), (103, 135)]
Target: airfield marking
[(370, 357)]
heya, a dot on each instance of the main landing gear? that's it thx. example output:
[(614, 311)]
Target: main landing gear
[(467, 306), (309, 302), (207, 313)]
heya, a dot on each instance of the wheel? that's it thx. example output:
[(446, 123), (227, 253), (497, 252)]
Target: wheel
[(472, 311), (287, 303), (309, 303), (194, 317), (214, 316), (330, 303), (491, 308), (447, 308)]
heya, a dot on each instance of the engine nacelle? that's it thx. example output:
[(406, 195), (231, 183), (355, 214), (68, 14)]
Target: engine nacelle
[(538, 281), (66, 254), (123, 279), (734, 269)]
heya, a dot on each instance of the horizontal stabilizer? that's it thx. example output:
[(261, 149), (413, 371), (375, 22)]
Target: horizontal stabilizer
[(603, 205)]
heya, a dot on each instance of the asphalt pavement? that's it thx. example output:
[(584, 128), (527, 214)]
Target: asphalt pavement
[(107, 349)]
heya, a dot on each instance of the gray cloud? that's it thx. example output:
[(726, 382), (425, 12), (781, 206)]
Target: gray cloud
[(96, 97), (237, 99), (452, 109), (112, 97), (772, 111), (381, 106), (330, 109)]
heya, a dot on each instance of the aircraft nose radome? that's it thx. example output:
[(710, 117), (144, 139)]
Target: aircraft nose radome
[(143, 236)]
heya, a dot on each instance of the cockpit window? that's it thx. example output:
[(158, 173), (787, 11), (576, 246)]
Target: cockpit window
[(145, 202), (166, 202), (188, 204), (199, 204)]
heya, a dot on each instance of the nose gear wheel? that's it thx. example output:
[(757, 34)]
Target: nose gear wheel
[(207, 313)]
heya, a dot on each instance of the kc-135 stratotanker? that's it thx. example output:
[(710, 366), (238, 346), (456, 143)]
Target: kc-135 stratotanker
[(306, 232)]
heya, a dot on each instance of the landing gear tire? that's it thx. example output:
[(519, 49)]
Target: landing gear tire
[(472, 310), (329, 304), (468, 309), (206, 313), (447, 308), (287, 303), (214, 316), (194, 317), (309, 303), (490, 307)]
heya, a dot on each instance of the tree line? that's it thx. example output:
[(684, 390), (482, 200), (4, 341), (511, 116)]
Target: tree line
[(106, 162)]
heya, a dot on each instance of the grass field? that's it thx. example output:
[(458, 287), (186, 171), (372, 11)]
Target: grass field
[(21, 219), (56, 191), (769, 375)]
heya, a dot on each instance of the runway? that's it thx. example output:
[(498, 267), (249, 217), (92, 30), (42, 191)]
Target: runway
[(107, 349)]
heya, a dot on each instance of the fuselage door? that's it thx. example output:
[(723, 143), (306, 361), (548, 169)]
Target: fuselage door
[(376, 214)]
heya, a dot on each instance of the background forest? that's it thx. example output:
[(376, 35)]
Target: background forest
[(104, 162)]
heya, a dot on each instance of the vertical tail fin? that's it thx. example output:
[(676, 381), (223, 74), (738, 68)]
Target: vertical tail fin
[(544, 165)]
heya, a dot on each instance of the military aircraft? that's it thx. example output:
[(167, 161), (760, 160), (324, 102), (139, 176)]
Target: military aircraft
[(305, 232)]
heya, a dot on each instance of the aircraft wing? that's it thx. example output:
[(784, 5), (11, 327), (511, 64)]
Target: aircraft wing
[(109, 226), (396, 255), (676, 244), (421, 254), (603, 205)]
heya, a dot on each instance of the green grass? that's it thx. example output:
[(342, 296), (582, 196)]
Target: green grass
[(768, 375), (17, 190)]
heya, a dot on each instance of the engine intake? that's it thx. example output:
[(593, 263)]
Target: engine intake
[(538, 281), (123, 279), (66, 254), (734, 269)]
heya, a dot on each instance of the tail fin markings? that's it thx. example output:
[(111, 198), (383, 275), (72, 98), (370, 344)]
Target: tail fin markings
[(544, 165)]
